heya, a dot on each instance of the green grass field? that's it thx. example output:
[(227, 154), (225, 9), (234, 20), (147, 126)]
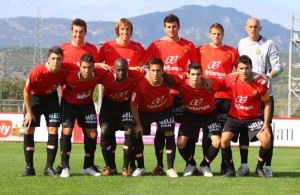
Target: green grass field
[(286, 170)]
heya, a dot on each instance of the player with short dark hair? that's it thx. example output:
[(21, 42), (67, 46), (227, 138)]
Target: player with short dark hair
[(175, 52), (200, 112), (248, 95), (266, 61), (217, 61), (77, 103), (151, 102), (41, 98)]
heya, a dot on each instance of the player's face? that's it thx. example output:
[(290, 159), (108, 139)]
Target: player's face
[(155, 74), (125, 32), (245, 72), (171, 29), (86, 70), (78, 33), (253, 28), (54, 62), (121, 72), (195, 77), (216, 36)]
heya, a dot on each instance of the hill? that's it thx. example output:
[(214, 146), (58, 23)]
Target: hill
[(195, 22)]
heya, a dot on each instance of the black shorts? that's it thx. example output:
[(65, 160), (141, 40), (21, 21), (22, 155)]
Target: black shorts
[(117, 114), (251, 126), (47, 106), (178, 107), (192, 123), (164, 119), (85, 115), (222, 107)]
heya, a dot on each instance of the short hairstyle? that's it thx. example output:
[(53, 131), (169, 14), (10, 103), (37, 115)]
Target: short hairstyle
[(171, 18), (79, 22), (87, 57), (245, 60), (194, 65), (123, 21), (156, 60), (216, 25), (122, 62), (55, 49)]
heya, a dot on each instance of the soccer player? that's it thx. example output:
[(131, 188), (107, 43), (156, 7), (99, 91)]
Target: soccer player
[(151, 102), (122, 47), (73, 50), (41, 98), (200, 112), (218, 60), (115, 114), (77, 103), (248, 95), (175, 52), (266, 61)]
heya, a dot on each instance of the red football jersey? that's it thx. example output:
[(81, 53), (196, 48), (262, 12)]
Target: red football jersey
[(218, 62), (151, 98), (73, 54), (174, 54), (111, 50), (197, 100), (41, 82), (79, 92), (121, 91), (247, 97)]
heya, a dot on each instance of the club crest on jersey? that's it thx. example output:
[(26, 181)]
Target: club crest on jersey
[(254, 92), (185, 50), (136, 52), (228, 55), (258, 52)]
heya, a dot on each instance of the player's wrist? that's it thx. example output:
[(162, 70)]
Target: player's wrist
[(269, 76)]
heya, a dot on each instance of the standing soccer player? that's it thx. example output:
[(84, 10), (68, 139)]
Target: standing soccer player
[(200, 112), (77, 103), (151, 102), (41, 98), (217, 61), (266, 61), (73, 50), (115, 114), (175, 52), (121, 47), (245, 114)]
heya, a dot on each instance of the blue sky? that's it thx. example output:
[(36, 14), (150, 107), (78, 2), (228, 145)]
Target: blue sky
[(276, 11)]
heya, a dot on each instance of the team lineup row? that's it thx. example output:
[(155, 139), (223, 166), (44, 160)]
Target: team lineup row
[(131, 96)]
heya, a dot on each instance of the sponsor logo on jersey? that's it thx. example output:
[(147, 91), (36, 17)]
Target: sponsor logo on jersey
[(171, 60), (254, 92), (228, 55), (84, 95)]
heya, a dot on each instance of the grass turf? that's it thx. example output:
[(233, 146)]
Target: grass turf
[(286, 171)]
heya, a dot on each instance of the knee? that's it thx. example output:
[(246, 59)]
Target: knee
[(92, 134), (216, 142), (180, 143), (68, 131), (52, 130), (105, 128)]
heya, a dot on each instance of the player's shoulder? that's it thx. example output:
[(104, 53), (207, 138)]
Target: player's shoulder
[(90, 45), (65, 45)]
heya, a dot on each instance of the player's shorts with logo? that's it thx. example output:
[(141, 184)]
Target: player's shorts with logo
[(178, 107), (164, 120), (85, 115), (47, 106), (251, 126), (192, 123), (117, 114)]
